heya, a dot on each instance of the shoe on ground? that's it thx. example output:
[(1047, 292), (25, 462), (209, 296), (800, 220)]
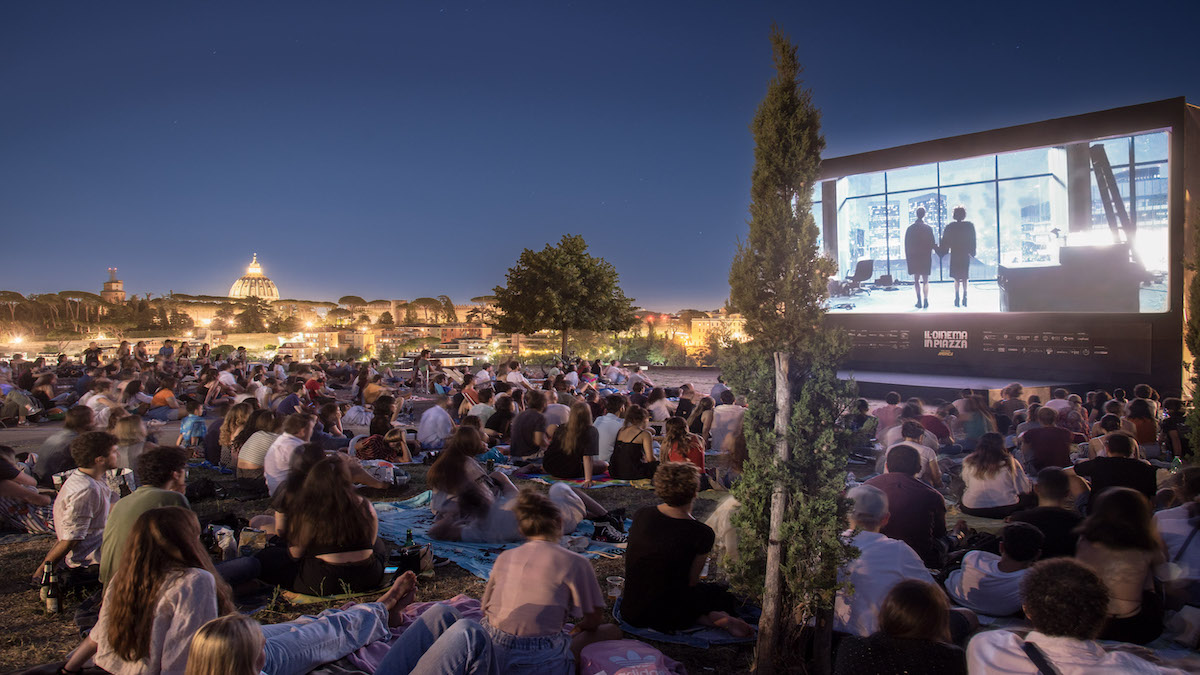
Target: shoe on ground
[(606, 533)]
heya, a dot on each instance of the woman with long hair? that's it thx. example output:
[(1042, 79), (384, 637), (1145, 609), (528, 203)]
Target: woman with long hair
[(131, 441), (134, 398), (250, 446), (1145, 427), (330, 531), (498, 426), (164, 590), (574, 449), (123, 351), (729, 469), (700, 421), (913, 637), (1121, 543), (658, 405), (976, 421), (681, 445), (996, 484), (633, 449), (330, 415), (228, 645), (231, 425), (470, 505), (382, 414)]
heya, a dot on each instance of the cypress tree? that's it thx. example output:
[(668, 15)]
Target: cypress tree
[(778, 282)]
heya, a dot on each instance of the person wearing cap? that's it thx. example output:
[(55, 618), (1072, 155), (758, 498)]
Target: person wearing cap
[(882, 563)]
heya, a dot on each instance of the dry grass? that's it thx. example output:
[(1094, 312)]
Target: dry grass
[(29, 637)]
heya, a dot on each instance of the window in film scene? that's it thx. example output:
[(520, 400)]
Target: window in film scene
[(1080, 227)]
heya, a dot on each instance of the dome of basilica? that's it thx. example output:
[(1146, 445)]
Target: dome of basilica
[(254, 284)]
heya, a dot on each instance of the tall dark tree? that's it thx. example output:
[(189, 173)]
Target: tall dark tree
[(562, 288), (792, 510)]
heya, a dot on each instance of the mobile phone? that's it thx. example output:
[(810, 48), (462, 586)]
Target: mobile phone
[(390, 570)]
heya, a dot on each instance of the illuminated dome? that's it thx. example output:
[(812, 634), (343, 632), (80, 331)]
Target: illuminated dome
[(254, 284)]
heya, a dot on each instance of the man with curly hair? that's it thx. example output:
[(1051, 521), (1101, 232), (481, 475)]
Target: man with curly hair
[(1067, 604)]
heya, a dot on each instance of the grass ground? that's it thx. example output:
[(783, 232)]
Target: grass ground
[(28, 636)]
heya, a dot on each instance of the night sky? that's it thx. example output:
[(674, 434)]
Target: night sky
[(397, 150)]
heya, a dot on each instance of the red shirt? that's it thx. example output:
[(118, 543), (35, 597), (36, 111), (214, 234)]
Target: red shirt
[(312, 387), (935, 426), (693, 453)]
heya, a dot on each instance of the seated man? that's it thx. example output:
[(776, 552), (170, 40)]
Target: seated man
[(436, 425), (918, 512), (1047, 444), (916, 437), (1068, 605), (55, 454), (881, 564), (895, 433), (991, 584), (162, 473), (1118, 469), (81, 509), (297, 430), (1056, 522)]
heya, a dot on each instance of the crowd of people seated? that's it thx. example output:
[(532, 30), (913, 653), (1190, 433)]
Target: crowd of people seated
[(1093, 525), (1093, 506)]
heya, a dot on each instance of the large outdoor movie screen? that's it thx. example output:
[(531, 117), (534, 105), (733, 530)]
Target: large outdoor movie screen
[(1071, 228)]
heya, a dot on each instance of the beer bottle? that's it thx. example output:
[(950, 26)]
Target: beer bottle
[(47, 572), (408, 540), (53, 600), (491, 465)]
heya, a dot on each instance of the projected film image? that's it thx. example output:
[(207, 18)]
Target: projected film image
[(1072, 228)]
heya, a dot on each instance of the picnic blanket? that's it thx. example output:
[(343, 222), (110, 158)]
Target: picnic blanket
[(396, 518), (600, 481), (701, 637)]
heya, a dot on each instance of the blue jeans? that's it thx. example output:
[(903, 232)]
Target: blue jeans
[(441, 642), (545, 655), (299, 646)]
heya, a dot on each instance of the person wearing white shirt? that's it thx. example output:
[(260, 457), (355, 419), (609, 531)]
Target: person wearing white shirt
[(609, 424), (726, 421), (613, 374), (515, 377), (484, 408), (1068, 605), (572, 379), (1179, 530), (297, 429), (485, 377), (1059, 403), (991, 584), (881, 564), (227, 379), (82, 505), (435, 426), (914, 435), (639, 376)]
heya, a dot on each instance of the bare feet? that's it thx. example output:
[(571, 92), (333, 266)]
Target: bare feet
[(731, 624), (399, 596)]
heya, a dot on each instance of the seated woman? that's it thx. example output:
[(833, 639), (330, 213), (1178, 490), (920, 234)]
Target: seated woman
[(166, 589), (250, 448), (534, 589), (666, 552), (136, 401), (658, 405), (164, 407), (329, 533), (44, 391), (131, 441), (975, 421), (470, 505), (913, 637), (680, 445), (633, 449), (573, 450), (498, 426), (1121, 543), (383, 413), (996, 484), (102, 402), (700, 420)]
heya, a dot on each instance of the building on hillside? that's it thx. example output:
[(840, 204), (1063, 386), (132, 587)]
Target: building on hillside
[(454, 331), (732, 326), (254, 284), (476, 347), (363, 340), (114, 289), (301, 352)]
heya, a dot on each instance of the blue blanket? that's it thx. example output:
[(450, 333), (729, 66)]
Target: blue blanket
[(701, 637), (396, 518)]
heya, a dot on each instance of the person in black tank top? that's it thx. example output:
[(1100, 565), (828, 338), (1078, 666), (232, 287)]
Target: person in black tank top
[(633, 454)]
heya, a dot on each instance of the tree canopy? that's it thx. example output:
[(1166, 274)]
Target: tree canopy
[(562, 288)]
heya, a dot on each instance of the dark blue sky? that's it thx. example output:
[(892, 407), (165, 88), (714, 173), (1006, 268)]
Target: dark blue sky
[(398, 150)]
